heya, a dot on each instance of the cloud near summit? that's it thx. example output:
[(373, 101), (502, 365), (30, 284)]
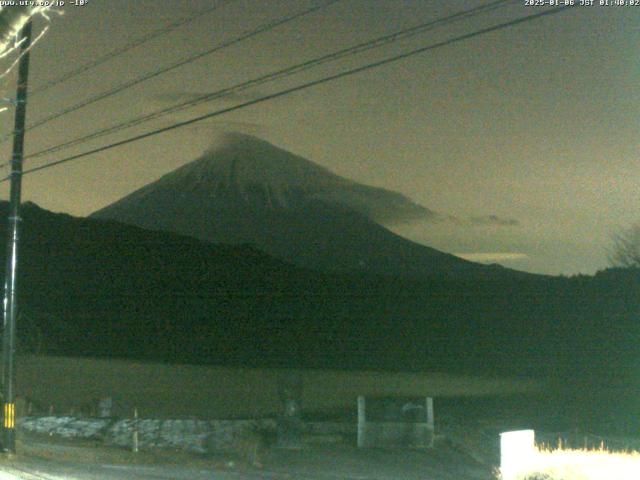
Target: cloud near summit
[(494, 220), (492, 257)]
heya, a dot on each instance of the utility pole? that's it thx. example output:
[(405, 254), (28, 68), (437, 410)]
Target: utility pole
[(13, 237)]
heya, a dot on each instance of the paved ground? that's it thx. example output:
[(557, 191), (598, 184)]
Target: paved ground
[(340, 462), (321, 462)]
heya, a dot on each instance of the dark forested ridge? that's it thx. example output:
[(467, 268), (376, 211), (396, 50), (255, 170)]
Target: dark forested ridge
[(99, 288)]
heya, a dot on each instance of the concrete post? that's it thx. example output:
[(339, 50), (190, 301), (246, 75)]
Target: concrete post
[(362, 421), (289, 429)]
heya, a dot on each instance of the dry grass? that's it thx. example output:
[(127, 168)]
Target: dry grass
[(568, 464)]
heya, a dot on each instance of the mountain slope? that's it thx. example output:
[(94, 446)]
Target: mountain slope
[(248, 191)]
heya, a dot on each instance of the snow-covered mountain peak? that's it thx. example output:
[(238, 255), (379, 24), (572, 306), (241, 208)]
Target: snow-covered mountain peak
[(243, 171), (243, 162)]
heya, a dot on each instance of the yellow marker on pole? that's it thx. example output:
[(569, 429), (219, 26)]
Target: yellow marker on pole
[(9, 415)]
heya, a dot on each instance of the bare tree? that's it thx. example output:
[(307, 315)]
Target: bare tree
[(625, 251)]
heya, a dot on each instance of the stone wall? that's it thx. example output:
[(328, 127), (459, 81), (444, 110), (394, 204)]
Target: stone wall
[(190, 435), (199, 436)]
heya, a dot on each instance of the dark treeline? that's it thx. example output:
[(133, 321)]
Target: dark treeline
[(97, 288)]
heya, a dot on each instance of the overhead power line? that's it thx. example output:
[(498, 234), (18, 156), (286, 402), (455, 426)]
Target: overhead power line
[(279, 74), (304, 86), (126, 48), (148, 76)]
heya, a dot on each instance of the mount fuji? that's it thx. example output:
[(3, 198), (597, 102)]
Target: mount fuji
[(248, 191)]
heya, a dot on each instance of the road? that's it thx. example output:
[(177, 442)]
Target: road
[(39, 469), (52, 460)]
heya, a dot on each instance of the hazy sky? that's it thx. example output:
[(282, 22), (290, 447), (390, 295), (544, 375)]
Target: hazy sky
[(536, 124)]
